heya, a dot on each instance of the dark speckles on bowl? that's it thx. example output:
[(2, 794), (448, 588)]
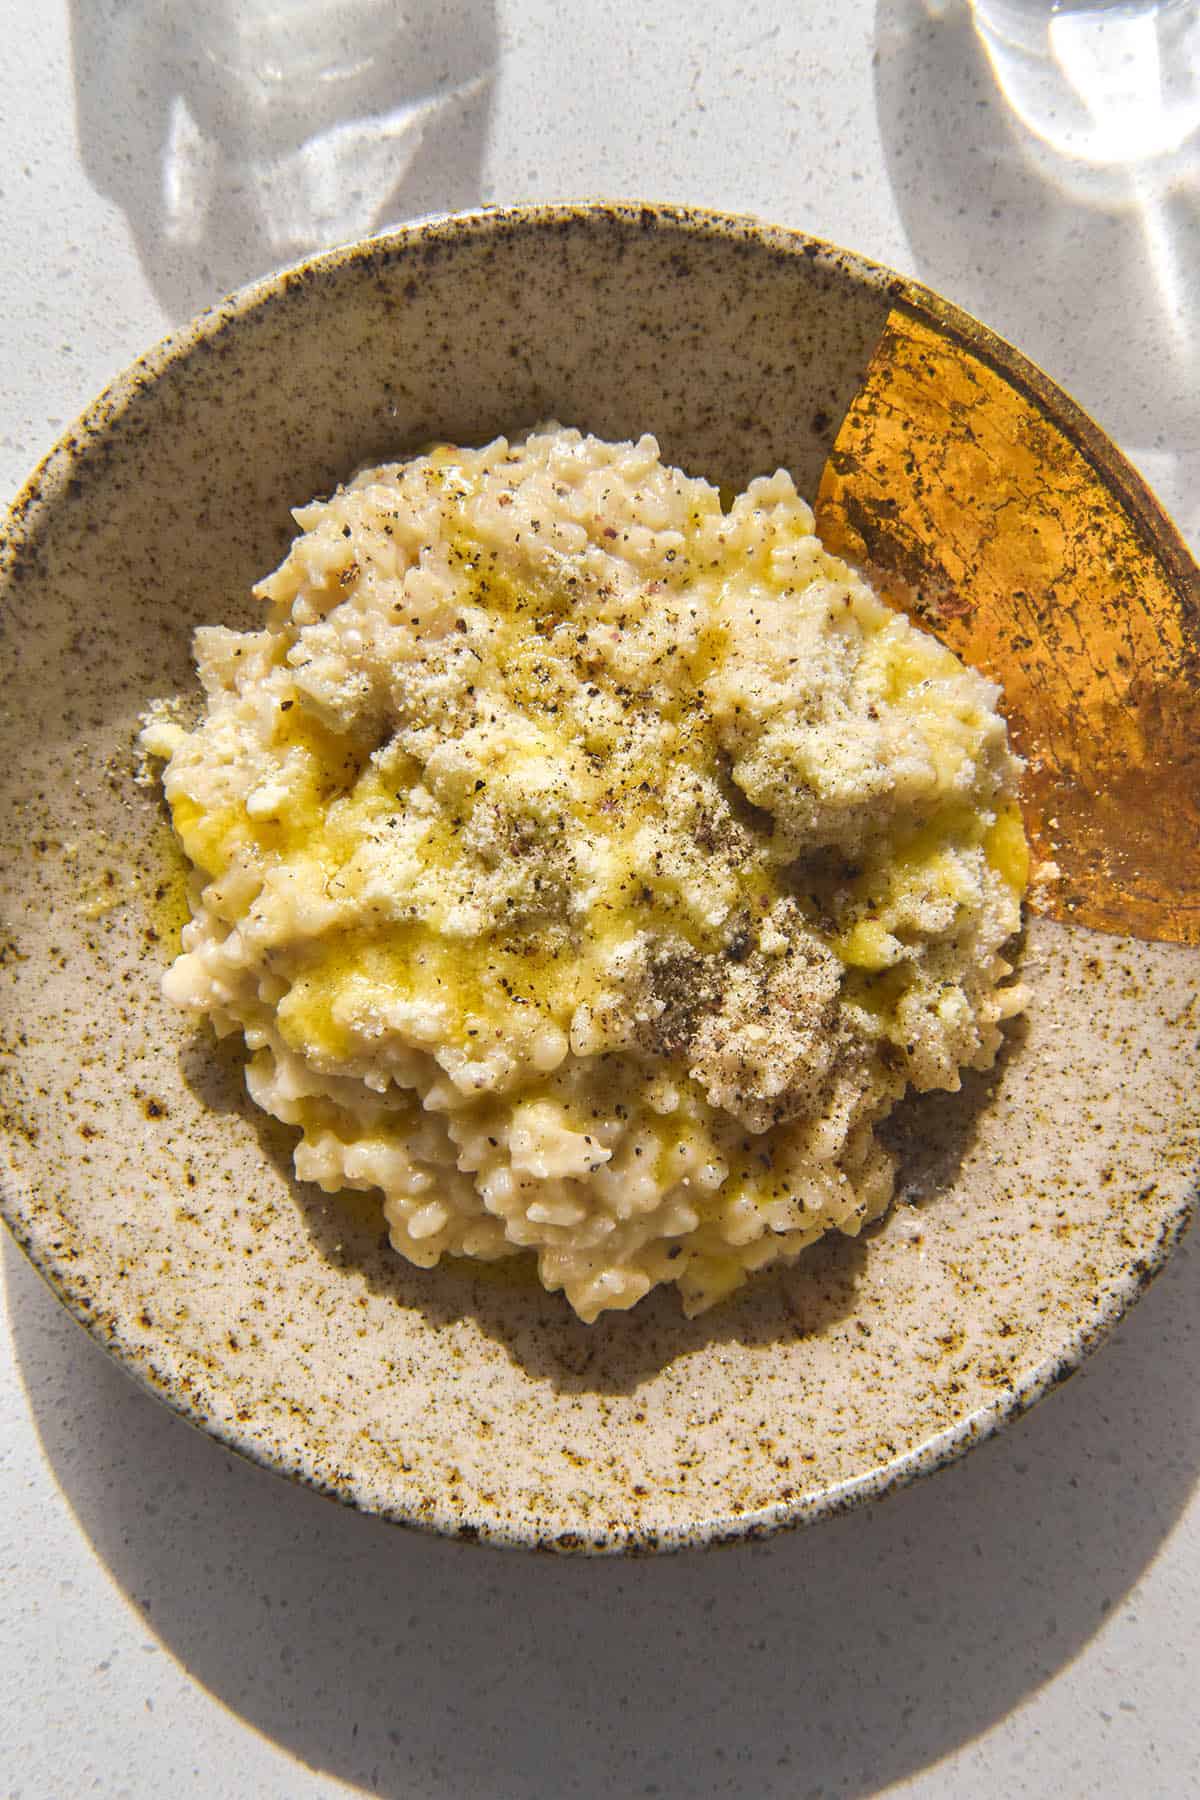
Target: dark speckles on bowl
[(162, 1208)]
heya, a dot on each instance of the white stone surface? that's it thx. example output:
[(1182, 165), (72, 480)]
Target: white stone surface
[(176, 1622)]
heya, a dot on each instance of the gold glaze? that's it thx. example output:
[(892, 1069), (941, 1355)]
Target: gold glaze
[(975, 511)]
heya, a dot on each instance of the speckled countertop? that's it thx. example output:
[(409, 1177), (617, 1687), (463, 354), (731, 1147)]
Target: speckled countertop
[(175, 1621)]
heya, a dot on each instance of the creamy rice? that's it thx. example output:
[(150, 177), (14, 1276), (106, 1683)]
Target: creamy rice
[(591, 868)]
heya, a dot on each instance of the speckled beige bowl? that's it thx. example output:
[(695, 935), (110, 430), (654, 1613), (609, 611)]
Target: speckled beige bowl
[(162, 1208)]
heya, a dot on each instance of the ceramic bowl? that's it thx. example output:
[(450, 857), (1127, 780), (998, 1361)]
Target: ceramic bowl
[(1034, 1205)]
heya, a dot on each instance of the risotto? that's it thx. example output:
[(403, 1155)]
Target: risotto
[(590, 866)]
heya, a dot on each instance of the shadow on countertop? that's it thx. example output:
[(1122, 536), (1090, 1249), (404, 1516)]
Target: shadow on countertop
[(829, 1662), (1099, 261), (237, 138)]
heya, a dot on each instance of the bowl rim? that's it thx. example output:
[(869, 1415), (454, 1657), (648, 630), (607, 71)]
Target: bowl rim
[(1114, 469), (50, 478)]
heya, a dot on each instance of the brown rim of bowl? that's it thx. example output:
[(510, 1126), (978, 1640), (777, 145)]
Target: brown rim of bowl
[(51, 476)]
